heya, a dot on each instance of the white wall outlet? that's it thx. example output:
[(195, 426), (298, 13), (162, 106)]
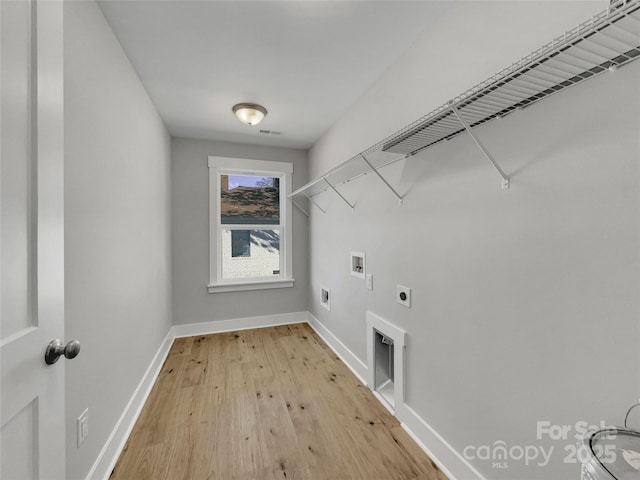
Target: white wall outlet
[(403, 296), (369, 278), (82, 425), (325, 298)]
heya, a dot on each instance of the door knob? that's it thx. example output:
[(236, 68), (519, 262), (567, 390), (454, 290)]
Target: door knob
[(56, 349)]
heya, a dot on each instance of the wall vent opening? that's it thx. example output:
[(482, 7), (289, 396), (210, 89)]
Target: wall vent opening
[(384, 374), (385, 362)]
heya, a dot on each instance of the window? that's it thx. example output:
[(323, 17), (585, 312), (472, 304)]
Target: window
[(250, 224)]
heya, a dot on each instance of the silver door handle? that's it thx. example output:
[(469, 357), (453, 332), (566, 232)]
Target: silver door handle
[(56, 349)]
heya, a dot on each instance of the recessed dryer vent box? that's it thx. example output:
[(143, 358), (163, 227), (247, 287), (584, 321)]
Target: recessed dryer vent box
[(357, 264)]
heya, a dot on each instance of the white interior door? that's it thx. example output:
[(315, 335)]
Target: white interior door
[(31, 240)]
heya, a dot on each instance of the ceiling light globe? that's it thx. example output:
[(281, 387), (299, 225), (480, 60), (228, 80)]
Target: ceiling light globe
[(249, 113)]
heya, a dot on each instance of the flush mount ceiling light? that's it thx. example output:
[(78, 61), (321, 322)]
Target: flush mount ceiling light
[(249, 113)]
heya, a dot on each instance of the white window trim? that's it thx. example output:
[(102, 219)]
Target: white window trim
[(249, 167)]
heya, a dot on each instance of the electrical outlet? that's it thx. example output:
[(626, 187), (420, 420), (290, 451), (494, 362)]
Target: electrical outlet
[(82, 425), (403, 296), (325, 298), (369, 278)]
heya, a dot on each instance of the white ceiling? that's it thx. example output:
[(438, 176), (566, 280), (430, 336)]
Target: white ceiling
[(305, 61)]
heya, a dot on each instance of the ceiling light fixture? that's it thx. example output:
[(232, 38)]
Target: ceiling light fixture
[(249, 113)]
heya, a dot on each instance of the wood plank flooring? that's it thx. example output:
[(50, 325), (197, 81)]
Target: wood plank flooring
[(266, 404)]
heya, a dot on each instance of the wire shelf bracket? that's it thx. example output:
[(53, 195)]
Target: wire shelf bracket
[(384, 180), (339, 194), (315, 203), (505, 177), (303, 210)]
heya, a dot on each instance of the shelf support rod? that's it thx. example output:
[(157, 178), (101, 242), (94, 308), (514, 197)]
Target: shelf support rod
[(314, 202), (375, 170), (505, 178), (339, 194), (298, 205)]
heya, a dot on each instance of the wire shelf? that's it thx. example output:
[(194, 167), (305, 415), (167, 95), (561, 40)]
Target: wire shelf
[(605, 42)]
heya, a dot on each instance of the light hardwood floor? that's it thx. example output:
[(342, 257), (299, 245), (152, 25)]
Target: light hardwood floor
[(271, 403)]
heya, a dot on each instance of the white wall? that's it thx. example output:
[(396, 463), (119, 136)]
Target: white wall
[(117, 229), (190, 213), (525, 301)]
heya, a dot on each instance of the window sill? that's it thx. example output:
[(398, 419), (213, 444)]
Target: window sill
[(250, 285)]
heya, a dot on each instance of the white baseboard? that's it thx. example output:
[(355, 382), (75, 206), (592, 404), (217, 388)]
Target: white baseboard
[(448, 459), (357, 366), (108, 456), (221, 326)]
